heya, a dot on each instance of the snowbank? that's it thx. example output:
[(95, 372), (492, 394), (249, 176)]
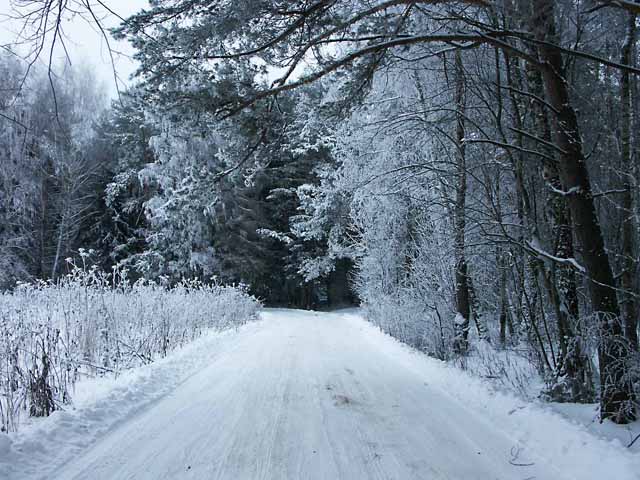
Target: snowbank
[(542, 433), (54, 336), (103, 403)]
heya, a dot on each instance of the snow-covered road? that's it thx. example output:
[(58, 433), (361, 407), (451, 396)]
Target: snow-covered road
[(326, 396)]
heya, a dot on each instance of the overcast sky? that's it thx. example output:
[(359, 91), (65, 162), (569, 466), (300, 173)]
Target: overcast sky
[(84, 41)]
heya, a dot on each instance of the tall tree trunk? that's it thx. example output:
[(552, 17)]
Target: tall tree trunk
[(616, 393), (43, 222), (504, 299), (628, 284), (501, 263), (529, 274), (474, 311), (572, 377), (461, 322), (59, 244)]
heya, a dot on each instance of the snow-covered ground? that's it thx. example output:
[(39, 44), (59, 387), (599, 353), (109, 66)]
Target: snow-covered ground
[(302, 395)]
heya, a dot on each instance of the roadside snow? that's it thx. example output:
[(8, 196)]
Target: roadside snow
[(562, 441), (303, 395), (587, 416), (508, 370), (101, 404)]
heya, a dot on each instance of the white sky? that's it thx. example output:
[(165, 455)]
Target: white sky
[(84, 41)]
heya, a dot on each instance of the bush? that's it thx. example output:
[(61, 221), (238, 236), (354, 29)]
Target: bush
[(91, 324), (408, 320)]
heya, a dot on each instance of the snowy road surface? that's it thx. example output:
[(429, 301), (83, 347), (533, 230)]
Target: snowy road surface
[(326, 396)]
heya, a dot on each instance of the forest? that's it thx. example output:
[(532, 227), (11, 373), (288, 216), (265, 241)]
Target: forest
[(467, 172)]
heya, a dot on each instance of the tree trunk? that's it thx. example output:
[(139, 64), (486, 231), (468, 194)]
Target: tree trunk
[(572, 380), (461, 322), (474, 311), (616, 393), (628, 303), (504, 299), (59, 243)]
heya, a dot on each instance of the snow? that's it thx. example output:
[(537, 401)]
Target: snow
[(459, 319), (534, 245), (101, 404), (572, 191), (301, 395), (587, 415)]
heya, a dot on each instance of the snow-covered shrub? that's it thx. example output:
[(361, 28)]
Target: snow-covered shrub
[(511, 368), (90, 323), (412, 323)]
